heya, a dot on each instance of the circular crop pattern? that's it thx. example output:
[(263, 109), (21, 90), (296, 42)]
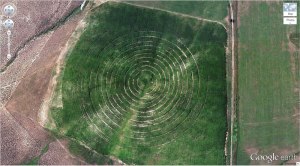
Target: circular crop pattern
[(144, 89)]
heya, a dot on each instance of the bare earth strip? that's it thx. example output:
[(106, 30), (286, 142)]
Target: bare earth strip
[(16, 142), (43, 111), (233, 83)]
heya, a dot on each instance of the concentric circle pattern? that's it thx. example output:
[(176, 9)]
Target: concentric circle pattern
[(145, 87)]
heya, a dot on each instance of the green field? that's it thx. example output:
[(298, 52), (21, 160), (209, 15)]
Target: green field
[(268, 77), (147, 87), (214, 10)]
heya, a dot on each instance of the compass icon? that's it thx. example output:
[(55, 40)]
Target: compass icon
[(9, 10), (8, 24)]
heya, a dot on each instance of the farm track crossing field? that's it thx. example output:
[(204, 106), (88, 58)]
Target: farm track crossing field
[(147, 87), (214, 10), (269, 83)]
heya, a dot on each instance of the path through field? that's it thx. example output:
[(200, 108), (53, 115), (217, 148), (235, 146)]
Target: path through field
[(179, 14), (233, 83)]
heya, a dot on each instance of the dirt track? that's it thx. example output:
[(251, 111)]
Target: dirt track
[(181, 14), (233, 83)]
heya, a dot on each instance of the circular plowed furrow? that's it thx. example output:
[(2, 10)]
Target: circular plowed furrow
[(148, 83)]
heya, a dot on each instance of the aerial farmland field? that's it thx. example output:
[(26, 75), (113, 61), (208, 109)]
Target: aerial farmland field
[(124, 95), (268, 83), (158, 82)]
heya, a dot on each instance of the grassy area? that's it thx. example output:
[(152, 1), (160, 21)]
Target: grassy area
[(267, 83), (147, 87), (214, 10)]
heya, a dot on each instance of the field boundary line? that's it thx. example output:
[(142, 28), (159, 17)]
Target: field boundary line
[(178, 14), (233, 82)]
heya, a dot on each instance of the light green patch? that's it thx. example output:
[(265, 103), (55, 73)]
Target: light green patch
[(265, 84)]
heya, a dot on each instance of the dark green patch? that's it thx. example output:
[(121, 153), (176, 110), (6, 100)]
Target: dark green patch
[(88, 155)]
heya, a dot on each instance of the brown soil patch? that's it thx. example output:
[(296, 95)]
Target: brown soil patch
[(29, 94), (17, 145)]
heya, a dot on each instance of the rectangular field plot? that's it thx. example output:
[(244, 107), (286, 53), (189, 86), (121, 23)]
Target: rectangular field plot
[(147, 87), (268, 83), (215, 10)]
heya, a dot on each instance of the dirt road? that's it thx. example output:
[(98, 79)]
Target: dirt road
[(233, 82)]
